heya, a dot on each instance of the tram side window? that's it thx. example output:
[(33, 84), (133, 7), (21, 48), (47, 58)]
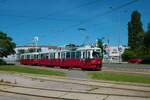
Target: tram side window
[(25, 56), (58, 54), (78, 54), (44, 56), (63, 55), (34, 57), (88, 54), (67, 54), (38, 56), (96, 54), (28, 56), (84, 54), (52, 55), (22, 57), (31, 56), (72, 54)]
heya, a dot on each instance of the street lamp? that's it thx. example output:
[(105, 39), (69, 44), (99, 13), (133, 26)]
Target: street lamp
[(119, 24), (35, 40), (119, 40)]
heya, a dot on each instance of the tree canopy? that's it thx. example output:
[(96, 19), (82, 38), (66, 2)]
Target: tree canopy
[(147, 40), (6, 45), (138, 39), (99, 44), (135, 30)]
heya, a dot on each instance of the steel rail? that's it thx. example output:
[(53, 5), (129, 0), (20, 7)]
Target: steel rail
[(95, 85), (67, 91)]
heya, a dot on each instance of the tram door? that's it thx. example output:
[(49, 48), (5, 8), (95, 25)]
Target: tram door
[(86, 54)]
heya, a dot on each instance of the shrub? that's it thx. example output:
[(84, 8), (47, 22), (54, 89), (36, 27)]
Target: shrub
[(128, 53), (146, 60), (2, 62)]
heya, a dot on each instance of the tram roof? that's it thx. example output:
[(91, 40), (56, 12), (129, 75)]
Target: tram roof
[(88, 48), (30, 53)]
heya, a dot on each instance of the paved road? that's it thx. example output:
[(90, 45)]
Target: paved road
[(126, 65)]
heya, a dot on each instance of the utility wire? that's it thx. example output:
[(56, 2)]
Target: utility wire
[(45, 17), (101, 14), (89, 19), (98, 15), (33, 17)]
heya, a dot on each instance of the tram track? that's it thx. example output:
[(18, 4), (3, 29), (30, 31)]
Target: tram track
[(91, 87), (86, 80), (26, 94), (115, 85), (9, 86)]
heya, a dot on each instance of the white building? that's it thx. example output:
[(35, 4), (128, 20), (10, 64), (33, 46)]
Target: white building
[(113, 53), (15, 57)]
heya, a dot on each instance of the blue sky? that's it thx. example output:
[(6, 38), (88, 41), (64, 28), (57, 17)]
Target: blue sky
[(56, 22)]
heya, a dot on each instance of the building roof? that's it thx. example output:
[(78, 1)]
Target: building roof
[(42, 46)]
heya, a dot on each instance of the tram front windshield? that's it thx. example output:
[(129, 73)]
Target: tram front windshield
[(96, 54)]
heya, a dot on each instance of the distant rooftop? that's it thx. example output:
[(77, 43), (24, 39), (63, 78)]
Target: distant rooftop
[(44, 46)]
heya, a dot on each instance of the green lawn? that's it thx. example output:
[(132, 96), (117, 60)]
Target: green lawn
[(31, 70), (118, 76)]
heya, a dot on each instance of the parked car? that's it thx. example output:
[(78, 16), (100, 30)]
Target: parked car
[(145, 60), (135, 60)]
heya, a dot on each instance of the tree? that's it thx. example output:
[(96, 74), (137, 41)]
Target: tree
[(6, 45), (71, 46), (130, 35), (148, 28), (135, 31), (128, 53), (99, 44), (147, 40)]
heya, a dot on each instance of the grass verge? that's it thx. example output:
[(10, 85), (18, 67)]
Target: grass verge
[(118, 76), (31, 70)]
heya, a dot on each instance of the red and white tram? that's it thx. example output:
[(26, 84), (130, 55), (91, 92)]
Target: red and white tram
[(82, 57)]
